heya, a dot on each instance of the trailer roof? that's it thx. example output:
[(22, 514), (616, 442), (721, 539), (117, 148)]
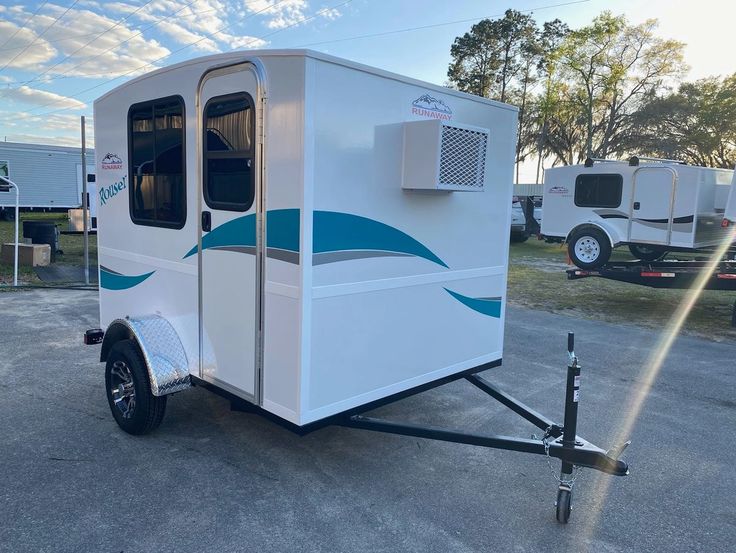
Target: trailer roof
[(245, 55), (42, 147)]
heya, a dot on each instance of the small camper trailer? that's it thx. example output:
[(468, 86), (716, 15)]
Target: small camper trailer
[(309, 238), (653, 206), (304, 233)]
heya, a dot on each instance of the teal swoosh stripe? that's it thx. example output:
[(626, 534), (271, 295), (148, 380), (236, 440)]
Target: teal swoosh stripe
[(485, 306), (237, 232), (282, 231), (334, 231), (113, 281)]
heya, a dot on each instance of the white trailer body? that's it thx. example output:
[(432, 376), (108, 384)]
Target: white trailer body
[(303, 232), (48, 176), (669, 206), (729, 209)]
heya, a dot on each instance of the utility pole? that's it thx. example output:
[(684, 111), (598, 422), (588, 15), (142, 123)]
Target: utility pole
[(85, 207)]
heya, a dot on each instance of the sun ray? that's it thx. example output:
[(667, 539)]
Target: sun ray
[(652, 368)]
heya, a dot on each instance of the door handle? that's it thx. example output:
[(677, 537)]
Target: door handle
[(637, 205), (206, 221)]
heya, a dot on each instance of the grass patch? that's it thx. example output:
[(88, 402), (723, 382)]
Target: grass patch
[(71, 245), (537, 279)]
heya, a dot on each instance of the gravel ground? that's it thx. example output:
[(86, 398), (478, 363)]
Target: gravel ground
[(215, 480)]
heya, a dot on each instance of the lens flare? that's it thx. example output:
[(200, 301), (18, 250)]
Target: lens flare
[(653, 365)]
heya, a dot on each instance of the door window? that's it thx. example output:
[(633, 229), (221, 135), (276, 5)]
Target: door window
[(229, 172)]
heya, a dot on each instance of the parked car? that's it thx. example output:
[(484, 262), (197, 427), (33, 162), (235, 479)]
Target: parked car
[(518, 221)]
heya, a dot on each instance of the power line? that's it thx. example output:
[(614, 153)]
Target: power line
[(108, 81), (131, 14), (39, 35), (75, 37), (87, 60), (23, 26), (407, 29)]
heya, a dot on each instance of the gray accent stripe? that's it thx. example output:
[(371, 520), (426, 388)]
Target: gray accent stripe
[(239, 249), (495, 298), (283, 255), (332, 257), (103, 268)]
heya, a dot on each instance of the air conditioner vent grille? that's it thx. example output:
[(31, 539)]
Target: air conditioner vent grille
[(462, 157)]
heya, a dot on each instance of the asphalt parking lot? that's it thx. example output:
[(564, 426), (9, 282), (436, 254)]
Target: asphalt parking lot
[(215, 480)]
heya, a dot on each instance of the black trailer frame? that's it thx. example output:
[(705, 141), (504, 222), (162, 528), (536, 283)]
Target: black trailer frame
[(558, 441), (666, 274)]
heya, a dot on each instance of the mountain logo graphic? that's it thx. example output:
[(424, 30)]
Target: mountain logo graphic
[(111, 161), (429, 106)]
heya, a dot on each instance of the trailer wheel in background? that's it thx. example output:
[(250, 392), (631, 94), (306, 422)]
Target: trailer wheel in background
[(134, 407), (589, 248), (518, 237), (647, 253), (564, 504)]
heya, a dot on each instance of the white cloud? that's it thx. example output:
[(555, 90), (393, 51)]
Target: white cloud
[(36, 97), (35, 53), (185, 36), (279, 14), (116, 51)]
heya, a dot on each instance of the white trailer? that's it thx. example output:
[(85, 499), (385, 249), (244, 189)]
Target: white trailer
[(653, 206), (48, 176), (306, 236)]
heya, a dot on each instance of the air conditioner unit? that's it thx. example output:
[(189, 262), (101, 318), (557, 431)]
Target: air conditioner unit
[(444, 156)]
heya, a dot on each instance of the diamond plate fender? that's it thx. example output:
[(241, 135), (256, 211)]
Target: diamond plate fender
[(161, 347)]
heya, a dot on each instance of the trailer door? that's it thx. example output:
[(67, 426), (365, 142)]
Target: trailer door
[(650, 218), (230, 248)]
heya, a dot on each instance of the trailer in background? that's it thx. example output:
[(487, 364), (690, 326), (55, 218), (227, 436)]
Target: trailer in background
[(49, 177), (653, 206)]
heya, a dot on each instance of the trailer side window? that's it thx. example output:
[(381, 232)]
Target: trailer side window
[(229, 152), (156, 163), (598, 190)]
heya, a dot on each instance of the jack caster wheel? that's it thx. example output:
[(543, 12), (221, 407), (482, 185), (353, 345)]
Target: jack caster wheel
[(564, 504)]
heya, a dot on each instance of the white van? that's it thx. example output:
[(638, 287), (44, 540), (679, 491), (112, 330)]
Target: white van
[(653, 206)]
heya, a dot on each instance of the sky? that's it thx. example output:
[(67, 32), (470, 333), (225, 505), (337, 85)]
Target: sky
[(57, 56)]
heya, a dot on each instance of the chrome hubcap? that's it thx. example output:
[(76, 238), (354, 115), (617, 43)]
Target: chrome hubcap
[(587, 249), (122, 389)]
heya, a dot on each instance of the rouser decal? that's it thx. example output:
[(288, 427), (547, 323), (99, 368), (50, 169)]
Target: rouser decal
[(112, 190)]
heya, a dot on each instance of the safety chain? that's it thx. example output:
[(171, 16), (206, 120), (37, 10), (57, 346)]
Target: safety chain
[(576, 470)]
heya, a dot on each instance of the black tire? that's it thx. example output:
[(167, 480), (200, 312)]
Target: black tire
[(519, 237), (126, 372), (589, 248), (647, 253), (564, 504)]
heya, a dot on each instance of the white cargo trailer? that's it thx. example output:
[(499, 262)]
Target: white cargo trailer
[(306, 236), (653, 206), (312, 234), (49, 177)]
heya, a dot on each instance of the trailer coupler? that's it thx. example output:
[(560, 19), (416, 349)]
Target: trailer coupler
[(559, 441)]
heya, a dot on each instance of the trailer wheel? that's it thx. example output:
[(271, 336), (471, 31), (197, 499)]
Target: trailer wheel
[(589, 248), (647, 253), (133, 406), (564, 504)]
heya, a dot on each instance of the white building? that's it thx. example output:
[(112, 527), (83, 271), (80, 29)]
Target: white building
[(48, 177)]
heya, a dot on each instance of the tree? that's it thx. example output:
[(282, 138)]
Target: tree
[(550, 39), (611, 67), (493, 57), (486, 60), (697, 124)]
